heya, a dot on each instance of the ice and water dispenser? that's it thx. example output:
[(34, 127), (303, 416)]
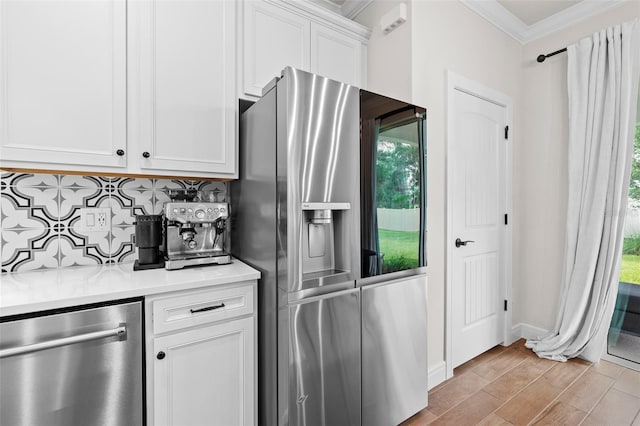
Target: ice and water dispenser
[(325, 242)]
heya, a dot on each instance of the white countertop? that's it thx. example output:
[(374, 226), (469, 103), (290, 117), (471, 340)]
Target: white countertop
[(59, 288)]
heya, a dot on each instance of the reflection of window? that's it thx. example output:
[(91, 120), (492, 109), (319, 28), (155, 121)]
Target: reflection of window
[(398, 168), (624, 332), (398, 194)]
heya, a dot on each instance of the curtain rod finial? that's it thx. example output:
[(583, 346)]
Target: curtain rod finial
[(541, 58)]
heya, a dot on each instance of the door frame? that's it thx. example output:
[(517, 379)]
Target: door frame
[(463, 84)]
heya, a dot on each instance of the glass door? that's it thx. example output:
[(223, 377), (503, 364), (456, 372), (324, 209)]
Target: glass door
[(393, 175), (623, 344)]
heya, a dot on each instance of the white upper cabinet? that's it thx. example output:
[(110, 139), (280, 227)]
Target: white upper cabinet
[(182, 87), (273, 39), (63, 82), (279, 33), (150, 87), (336, 55)]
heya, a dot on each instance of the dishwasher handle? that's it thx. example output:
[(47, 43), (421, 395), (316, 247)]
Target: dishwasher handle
[(49, 344)]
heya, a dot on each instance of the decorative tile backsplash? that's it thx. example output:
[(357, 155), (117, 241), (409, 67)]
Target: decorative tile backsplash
[(40, 217)]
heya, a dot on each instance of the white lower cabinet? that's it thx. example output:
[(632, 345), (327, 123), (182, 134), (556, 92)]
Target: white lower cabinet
[(202, 371)]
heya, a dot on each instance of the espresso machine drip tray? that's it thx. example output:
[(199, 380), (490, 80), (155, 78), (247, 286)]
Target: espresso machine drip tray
[(173, 264)]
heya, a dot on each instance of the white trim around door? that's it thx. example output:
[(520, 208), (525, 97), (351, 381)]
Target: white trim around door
[(455, 83)]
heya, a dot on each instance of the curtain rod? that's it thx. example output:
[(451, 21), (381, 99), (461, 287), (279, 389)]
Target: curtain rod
[(541, 58)]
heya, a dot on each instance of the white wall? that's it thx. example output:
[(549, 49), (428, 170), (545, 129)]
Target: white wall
[(445, 36), (389, 56), (540, 163)]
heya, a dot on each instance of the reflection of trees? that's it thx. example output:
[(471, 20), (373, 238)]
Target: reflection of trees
[(397, 175), (634, 186)]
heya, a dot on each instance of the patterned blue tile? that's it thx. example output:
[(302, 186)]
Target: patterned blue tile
[(40, 215), (29, 249), (21, 211), (30, 180), (78, 247), (132, 197), (123, 244)]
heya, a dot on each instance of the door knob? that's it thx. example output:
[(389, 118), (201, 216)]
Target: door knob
[(120, 152), (146, 154), (459, 242)]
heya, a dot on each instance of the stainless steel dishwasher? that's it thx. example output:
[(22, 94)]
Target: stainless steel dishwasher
[(79, 366)]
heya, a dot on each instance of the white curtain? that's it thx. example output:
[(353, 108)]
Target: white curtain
[(603, 74)]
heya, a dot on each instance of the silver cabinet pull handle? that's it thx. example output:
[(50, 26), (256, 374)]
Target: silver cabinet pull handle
[(19, 350)]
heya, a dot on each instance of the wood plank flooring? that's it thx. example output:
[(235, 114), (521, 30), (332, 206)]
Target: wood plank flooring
[(512, 386)]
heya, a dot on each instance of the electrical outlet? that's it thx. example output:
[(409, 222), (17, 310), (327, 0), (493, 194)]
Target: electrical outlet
[(95, 219)]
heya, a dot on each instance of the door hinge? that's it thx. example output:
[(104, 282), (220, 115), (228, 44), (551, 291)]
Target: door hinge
[(506, 219), (506, 132), (505, 304)]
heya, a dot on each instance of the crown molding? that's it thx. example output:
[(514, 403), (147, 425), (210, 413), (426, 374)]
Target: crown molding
[(316, 12), (349, 8), (496, 14)]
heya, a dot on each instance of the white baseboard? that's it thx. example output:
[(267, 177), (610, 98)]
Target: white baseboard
[(437, 374), (527, 331)]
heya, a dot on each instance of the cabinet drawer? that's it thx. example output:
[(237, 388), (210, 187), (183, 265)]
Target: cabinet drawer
[(202, 307)]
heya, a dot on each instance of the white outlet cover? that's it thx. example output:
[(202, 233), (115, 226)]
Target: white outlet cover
[(95, 219)]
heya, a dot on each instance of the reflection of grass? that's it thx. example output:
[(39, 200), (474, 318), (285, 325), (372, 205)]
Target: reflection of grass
[(630, 269), (400, 249)]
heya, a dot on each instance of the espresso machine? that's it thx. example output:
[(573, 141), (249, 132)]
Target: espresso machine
[(195, 232)]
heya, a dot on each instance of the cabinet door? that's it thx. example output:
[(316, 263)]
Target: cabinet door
[(336, 55), (206, 376), (273, 39), (63, 82), (182, 86)]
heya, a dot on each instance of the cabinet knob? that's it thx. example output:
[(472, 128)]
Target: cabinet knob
[(161, 355), (120, 152), (146, 154)]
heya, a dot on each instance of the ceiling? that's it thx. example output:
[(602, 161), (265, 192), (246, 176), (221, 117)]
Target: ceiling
[(528, 20), (524, 20), (532, 11)]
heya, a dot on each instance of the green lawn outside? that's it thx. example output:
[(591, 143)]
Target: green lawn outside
[(401, 244), (400, 249), (630, 269)]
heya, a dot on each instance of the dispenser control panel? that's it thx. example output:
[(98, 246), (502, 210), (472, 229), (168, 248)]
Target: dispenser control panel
[(196, 212)]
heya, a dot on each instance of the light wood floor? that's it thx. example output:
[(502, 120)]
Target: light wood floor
[(512, 385)]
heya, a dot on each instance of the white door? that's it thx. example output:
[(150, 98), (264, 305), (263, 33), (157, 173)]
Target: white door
[(477, 190), (205, 376)]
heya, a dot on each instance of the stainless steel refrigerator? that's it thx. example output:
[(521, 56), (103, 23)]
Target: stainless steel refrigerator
[(296, 217), (392, 242)]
